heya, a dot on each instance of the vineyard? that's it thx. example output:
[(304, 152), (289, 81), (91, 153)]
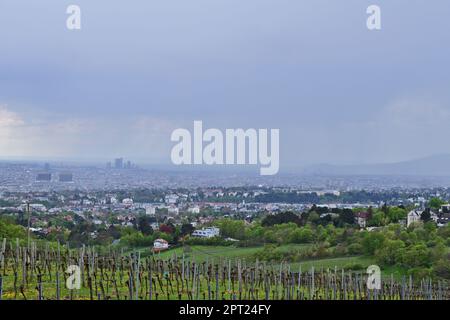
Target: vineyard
[(39, 272)]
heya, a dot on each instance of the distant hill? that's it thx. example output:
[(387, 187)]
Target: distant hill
[(438, 165)]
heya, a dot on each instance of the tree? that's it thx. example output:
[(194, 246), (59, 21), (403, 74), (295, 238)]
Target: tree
[(442, 268), (313, 217), (280, 218), (255, 233), (232, 228), (325, 220), (426, 215), (435, 203), (166, 228), (355, 248), (347, 216), (390, 253), (416, 256), (372, 241), (144, 225), (396, 213), (378, 219), (11, 231), (301, 235), (186, 229)]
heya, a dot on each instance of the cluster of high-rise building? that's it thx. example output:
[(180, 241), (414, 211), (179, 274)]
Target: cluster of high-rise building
[(61, 177), (46, 175), (120, 163)]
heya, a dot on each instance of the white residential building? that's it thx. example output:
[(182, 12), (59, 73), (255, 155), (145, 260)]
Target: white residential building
[(434, 217), (160, 244), (171, 199), (150, 210), (155, 226), (34, 207), (127, 202), (413, 216), (207, 233), (173, 210), (194, 210)]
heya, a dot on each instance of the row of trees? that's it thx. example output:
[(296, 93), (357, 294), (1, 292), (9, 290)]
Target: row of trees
[(422, 249), (345, 197)]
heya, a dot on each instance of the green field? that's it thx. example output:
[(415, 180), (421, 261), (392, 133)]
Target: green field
[(220, 253), (331, 263), (210, 253)]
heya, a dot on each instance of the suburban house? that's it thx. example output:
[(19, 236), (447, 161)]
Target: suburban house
[(172, 209), (362, 218), (413, 216), (445, 208), (434, 217), (150, 210), (443, 219), (207, 233), (194, 210), (127, 202), (160, 245)]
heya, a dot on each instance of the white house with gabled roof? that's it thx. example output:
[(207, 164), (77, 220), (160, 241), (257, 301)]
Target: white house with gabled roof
[(413, 216)]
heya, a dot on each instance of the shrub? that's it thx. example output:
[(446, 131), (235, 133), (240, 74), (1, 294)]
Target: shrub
[(442, 268), (420, 273), (355, 248)]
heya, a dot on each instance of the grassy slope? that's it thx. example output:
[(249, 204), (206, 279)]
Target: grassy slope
[(219, 253)]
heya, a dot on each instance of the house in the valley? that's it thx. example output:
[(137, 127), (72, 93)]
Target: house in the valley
[(445, 208), (413, 216), (362, 218), (206, 233), (160, 245)]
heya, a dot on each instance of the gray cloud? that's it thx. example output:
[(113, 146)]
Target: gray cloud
[(135, 71)]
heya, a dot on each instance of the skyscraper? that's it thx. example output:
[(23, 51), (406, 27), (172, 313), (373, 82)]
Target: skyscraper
[(118, 163), (65, 177), (44, 176)]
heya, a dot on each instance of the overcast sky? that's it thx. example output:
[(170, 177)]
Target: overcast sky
[(137, 70)]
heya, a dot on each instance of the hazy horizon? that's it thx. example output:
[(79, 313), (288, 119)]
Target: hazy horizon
[(102, 162)]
